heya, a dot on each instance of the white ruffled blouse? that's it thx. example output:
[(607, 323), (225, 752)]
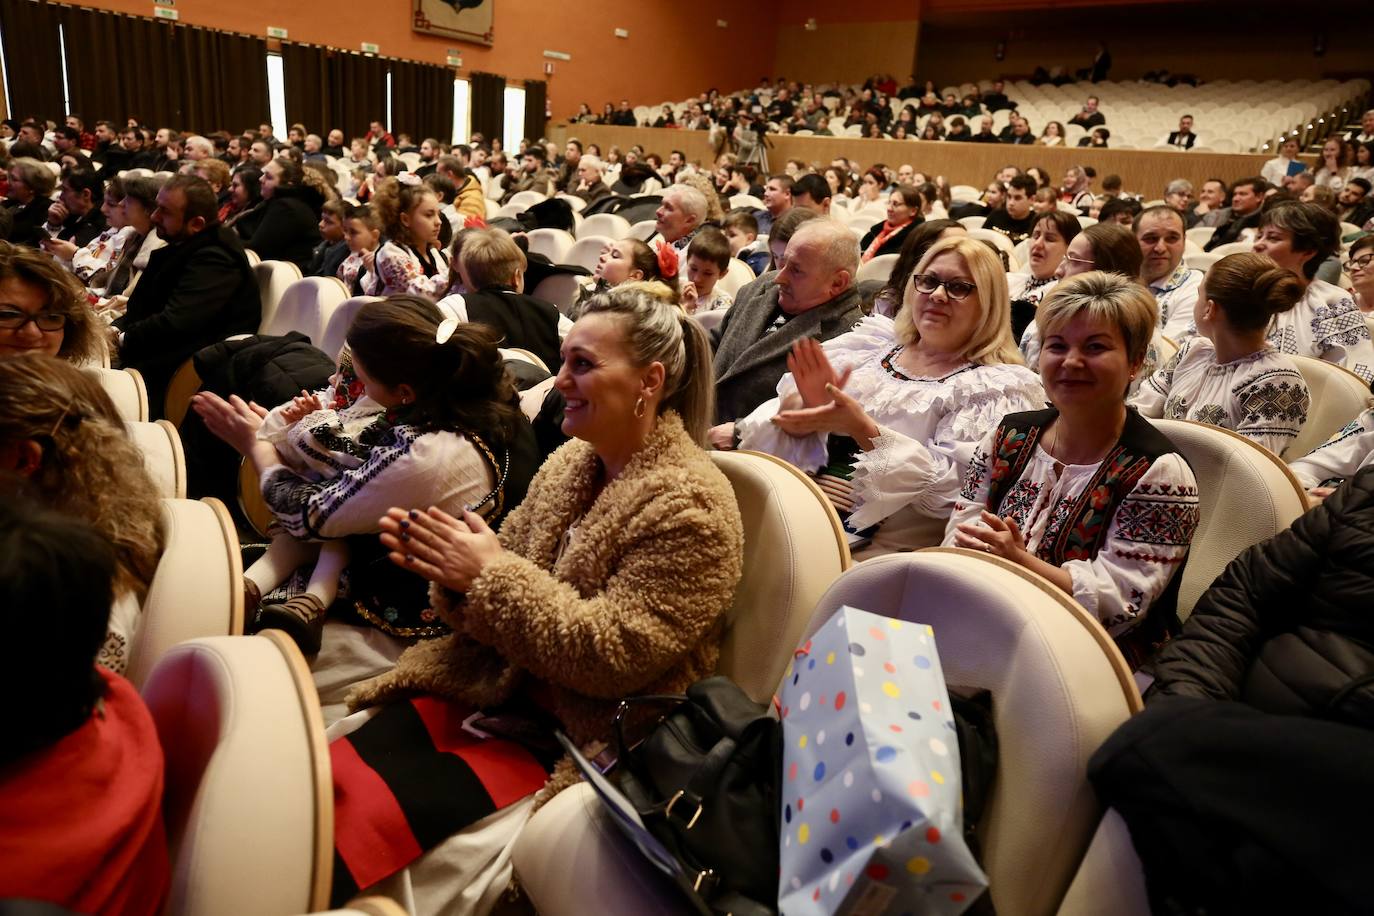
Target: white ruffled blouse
[(1326, 324), (928, 427), (1261, 396)]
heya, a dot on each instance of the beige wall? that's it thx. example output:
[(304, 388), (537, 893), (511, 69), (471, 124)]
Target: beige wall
[(847, 52)]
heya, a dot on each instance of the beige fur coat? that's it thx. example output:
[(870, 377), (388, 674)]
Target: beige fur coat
[(635, 604)]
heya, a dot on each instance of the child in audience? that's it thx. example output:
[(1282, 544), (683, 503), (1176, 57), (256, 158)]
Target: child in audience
[(1229, 376), (333, 248), (362, 230), (624, 261), (708, 260), (410, 261), (80, 746), (742, 232)]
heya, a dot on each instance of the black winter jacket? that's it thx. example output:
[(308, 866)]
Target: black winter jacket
[(290, 226), (1288, 627)]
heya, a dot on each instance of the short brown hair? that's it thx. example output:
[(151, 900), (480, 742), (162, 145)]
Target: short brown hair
[(1109, 297), (711, 245), (490, 257)]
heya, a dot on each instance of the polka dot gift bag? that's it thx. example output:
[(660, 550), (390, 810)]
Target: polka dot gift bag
[(871, 818)]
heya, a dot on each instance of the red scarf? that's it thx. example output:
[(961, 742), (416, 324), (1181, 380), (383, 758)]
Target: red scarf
[(81, 820), (886, 233)]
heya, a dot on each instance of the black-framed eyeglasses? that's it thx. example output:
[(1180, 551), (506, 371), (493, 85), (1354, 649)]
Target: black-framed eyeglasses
[(49, 322), (1360, 263), (955, 289)]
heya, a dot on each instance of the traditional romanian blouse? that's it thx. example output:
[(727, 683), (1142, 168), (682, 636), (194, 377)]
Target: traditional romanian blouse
[(1120, 528), (1326, 324), (928, 428), (1176, 295), (1339, 457), (100, 252), (402, 269), (1261, 396)]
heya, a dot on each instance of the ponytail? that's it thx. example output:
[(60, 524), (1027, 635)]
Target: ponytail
[(695, 396)]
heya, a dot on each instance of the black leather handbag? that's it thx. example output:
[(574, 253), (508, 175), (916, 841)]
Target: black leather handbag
[(705, 783)]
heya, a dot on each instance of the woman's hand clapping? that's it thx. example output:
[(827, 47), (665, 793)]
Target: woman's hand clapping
[(441, 548)]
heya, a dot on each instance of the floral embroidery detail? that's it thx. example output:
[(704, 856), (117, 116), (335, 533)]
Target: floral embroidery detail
[(973, 477), (1211, 414), (1176, 408), (114, 653), (1019, 501), (1058, 516)]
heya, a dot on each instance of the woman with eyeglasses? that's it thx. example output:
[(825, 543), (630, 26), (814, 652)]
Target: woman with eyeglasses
[(1088, 493), (890, 412), (1359, 266), (43, 309)]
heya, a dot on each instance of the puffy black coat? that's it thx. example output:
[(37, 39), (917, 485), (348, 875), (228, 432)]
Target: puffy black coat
[(1287, 628), (290, 226)]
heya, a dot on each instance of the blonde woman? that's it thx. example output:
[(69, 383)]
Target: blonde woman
[(916, 394)]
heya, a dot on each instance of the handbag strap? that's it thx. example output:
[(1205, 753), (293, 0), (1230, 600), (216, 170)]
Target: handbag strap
[(622, 749)]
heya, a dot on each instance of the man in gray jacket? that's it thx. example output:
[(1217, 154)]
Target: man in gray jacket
[(812, 295)]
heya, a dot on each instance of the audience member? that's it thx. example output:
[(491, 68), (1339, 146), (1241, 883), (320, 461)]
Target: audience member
[(1089, 117), (589, 185), (30, 187), (1076, 189), (1050, 237), (1335, 167), (1183, 138), (777, 200), (76, 215), (330, 253), (708, 260), (887, 236), (1174, 284), (1283, 165), (362, 229), (741, 230), (410, 260), (1052, 135), (679, 216), (812, 193), (493, 270), (888, 301), (1014, 219), (288, 229), (1247, 196)]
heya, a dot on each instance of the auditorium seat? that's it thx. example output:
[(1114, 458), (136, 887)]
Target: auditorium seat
[(306, 307), (736, 276), (332, 341), (184, 384), (1110, 870), (160, 445), (274, 278), (249, 796), (251, 504), (990, 235), (608, 225), (577, 203), (972, 222), (560, 289), (643, 230), (526, 199), (1246, 495), (965, 193), (510, 211), (554, 244), (879, 268), (1338, 396), (1222, 251), (125, 388), (711, 320), (197, 589), (524, 356), (253, 259), (746, 200), (586, 251), (794, 548)]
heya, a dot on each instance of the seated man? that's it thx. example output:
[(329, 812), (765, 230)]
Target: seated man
[(534, 175), (1159, 230), (985, 134), (679, 217), (812, 192), (493, 268), (1015, 218), (196, 291), (1210, 209), (1089, 117), (777, 200), (1352, 204), (76, 217), (811, 295), (1247, 195), (81, 743), (1183, 138)]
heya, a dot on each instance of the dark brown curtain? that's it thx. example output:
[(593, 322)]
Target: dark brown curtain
[(305, 70), (163, 73), (33, 59), (327, 88), (422, 100), (488, 104), (536, 101)]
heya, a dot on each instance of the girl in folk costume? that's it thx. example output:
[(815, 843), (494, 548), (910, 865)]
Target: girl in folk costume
[(1087, 493), (626, 261), (363, 235), (410, 260)]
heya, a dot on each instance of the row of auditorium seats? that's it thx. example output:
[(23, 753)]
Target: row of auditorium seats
[(248, 784)]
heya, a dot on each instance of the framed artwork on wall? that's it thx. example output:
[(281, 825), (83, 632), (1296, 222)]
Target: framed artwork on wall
[(462, 20)]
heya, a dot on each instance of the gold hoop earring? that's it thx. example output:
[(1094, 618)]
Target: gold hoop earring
[(639, 408)]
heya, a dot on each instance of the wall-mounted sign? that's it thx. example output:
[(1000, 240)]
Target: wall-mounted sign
[(274, 32), (557, 55), (162, 12), (370, 48), (465, 20)]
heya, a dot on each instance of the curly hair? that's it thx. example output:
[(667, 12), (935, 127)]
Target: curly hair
[(82, 341), (90, 468), (392, 198)]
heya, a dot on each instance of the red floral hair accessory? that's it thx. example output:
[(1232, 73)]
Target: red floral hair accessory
[(667, 261)]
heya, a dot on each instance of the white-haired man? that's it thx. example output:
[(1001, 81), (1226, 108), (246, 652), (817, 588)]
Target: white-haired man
[(591, 185), (679, 217)]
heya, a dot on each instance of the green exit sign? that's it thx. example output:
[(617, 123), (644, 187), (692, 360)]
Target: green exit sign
[(370, 48), (162, 12), (274, 32)]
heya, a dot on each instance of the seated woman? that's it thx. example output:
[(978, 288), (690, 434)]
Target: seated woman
[(1051, 235), (1325, 323), (1087, 493), (626, 261), (43, 309), (888, 302), (915, 395), (871, 185), (81, 740), (140, 200), (611, 579), (1052, 135), (1359, 266), (903, 214), (91, 263), (1230, 376), (27, 198), (410, 261), (242, 212), (439, 425), (61, 435), (290, 226)]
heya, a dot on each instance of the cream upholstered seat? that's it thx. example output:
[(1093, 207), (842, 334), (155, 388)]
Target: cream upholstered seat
[(1246, 494), (274, 278), (125, 388), (198, 587), (526, 199), (560, 289), (879, 268), (306, 307), (1338, 396), (1110, 871), (554, 244), (611, 225), (736, 275), (993, 236), (586, 251), (160, 445), (249, 798), (794, 548), (336, 330)]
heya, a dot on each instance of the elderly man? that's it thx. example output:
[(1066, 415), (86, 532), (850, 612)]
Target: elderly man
[(1247, 196), (1366, 132), (777, 200), (1161, 235), (314, 149), (591, 185), (196, 291), (812, 295), (198, 148), (679, 217)]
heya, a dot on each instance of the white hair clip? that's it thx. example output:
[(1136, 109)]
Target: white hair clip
[(446, 329), (409, 179)]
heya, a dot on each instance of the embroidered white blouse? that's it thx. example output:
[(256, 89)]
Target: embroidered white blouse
[(1326, 324), (1176, 295), (100, 252), (1340, 456), (1023, 285), (1261, 396), (1147, 538), (928, 429), (400, 271)]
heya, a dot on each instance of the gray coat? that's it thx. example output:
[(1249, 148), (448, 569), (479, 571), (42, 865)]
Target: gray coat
[(748, 362)]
